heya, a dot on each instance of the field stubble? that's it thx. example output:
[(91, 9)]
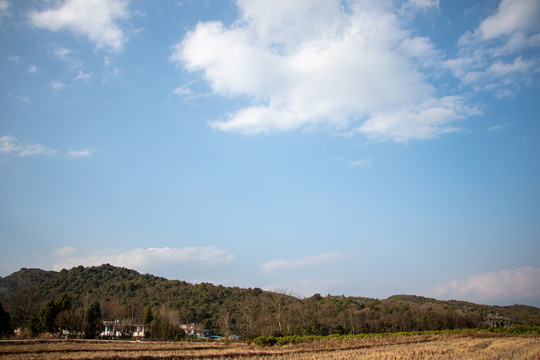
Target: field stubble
[(474, 346)]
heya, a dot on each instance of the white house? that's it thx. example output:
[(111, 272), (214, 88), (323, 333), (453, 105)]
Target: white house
[(117, 329)]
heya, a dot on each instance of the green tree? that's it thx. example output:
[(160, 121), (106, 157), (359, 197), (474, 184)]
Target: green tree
[(47, 317), (148, 315), (63, 302), (93, 321), (148, 318), (5, 322)]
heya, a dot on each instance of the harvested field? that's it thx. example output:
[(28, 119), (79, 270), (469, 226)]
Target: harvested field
[(439, 346)]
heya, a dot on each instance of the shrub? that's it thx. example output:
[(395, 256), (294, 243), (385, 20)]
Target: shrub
[(265, 340)]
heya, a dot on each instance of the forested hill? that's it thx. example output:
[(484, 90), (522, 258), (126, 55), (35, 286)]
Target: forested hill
[(246, 312)]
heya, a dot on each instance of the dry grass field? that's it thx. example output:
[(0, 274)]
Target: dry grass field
[(473, 346)]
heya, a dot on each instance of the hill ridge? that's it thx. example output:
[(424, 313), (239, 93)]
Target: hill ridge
[(247, 311)]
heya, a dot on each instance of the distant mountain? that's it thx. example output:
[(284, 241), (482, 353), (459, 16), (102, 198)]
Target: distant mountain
[(246, 312)]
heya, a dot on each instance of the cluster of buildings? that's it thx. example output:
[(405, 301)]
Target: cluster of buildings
[(119, 329)]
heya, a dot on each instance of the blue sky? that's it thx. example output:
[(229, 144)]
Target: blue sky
[(364, 148)]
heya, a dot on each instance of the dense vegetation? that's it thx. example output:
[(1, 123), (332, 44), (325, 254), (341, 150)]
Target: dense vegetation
[(47, 301)]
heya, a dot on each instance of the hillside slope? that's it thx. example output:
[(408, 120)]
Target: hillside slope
[(247, 312)]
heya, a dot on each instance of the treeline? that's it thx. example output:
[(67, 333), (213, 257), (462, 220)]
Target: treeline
[(62, 315), (66, 319), (126, 294)]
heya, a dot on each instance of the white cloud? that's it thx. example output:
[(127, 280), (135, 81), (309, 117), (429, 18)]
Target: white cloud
[(144, 259), (36, 149), (65, 55), (79, 153), (519, 66), (512, 16), (503, 287), (361, 162), (426, 3), (490, 56), (421, 4), (61, 52), (498, 127), (57, 85), (83, 76), (4, 5), (9, 144), (318, 64), (275, 265), (95, 19), (33, 69), (182, 91), (14, 59), (64, 251), (425, 120)]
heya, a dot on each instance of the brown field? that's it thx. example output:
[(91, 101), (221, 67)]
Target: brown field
[(439, 346)]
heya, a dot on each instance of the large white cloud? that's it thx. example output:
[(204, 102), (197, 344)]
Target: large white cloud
[(504, 287), (325, 63), (95, 19), (152, 258)]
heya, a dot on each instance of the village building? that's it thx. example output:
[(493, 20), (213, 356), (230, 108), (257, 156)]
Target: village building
[(194, 330), (121, 329)]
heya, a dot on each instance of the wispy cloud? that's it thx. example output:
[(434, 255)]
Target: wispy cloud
[(65, 55), (36, 149), (64, 251), (498, 127), (4, 6), (57, 85), (33, 69), (182, 91), (409, 7), (61, 53), (83, 76), (97, 19), (503, 287), (14, 59), (10, 145), (361, 162), (79, 153), (276, 265), (144, 259), (423, 3), (491, 56)]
